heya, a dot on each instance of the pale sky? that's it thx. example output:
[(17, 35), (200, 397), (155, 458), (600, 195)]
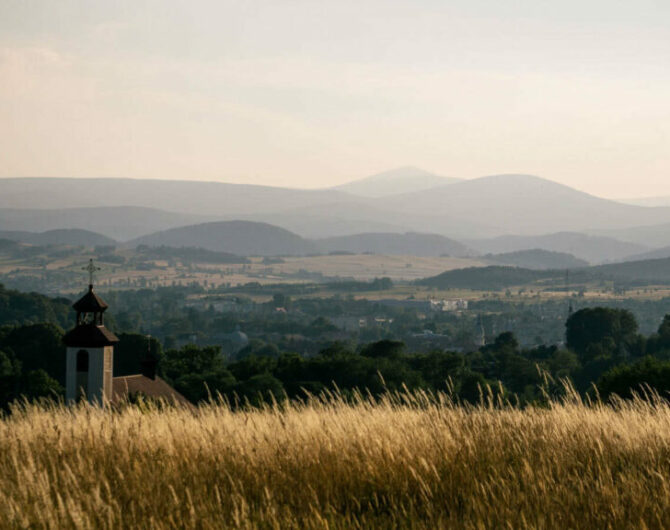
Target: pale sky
[(314, 93)]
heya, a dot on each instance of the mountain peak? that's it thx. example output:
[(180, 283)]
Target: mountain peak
[(403, 179), (518, 178)]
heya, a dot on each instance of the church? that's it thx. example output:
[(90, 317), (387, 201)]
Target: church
[(89, 370)]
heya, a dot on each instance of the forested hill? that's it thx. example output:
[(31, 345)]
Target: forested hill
[(410, 243), (594, 249), (537, 259), (64, 236), (634, 273), (243, 238), (17, 308), (487, 278)]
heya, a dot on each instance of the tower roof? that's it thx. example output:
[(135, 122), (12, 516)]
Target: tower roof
[(90, 336), (90, 303)]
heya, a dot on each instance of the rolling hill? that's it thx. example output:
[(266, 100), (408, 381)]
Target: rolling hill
[(649, 235), (480, 208), (314, 224), (360, 216), (401, 180), (490, 278), (537, 259), (411, 243), (639, 272), (182, 196), (524, 205), (594, 249), (243, 238), (73, 237), (117, 222), (633, 274), (648, 201), (659, 253)]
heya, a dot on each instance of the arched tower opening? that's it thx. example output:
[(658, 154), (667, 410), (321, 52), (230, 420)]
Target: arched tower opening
[(82, 373)]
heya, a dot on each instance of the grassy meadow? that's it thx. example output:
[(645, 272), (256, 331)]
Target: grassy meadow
[(412, 461)]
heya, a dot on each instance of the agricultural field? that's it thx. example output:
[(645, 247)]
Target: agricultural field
[(135, 271), (416, 461), (370, 266)]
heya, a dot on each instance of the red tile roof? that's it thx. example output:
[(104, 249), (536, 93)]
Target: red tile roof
[(129, 385)]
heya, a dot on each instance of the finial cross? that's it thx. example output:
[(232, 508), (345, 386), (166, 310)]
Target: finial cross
[(91, 269)]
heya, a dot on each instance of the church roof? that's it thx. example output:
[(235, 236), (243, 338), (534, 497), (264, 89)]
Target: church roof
[(90, 303), (90, 336), (129, 385)]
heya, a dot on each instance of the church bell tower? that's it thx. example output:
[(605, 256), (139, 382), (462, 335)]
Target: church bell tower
[(90, 350)]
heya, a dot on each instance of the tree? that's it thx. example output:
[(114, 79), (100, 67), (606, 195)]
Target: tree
[(390, 349), (38, 383), (280, 300), (321, 326), (506, 341), (437, 367), (192, 359), (563, 363), (10, 372), (257, 347), (38, 347), (661, 340), (336, 349), (199, 387), (261, 388), (131, 350), (623, 380), (472, 387), (600, 331), (251, 366)]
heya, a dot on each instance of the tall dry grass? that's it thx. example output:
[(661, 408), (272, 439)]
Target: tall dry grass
[(407, 461)]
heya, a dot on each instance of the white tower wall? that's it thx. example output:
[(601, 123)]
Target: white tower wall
[(100, 373)]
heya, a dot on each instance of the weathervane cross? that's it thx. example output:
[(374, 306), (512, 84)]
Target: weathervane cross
[(91, 269)]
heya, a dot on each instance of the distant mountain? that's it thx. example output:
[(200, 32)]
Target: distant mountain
[(8, 246), (73, 237), (648, 201), (411, 243), (659, 253), (311, 223), (525, 205), (121, 223), (537, 259), (362, 215), (650, 235), (594, 249), (243, 238), (479, 208), (188, 197), (401, 180)]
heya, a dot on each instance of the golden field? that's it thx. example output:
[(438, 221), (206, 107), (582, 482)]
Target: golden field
[(362, 267), (407, 461)]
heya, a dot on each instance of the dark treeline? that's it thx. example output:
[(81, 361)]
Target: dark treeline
[(627, 275), (602, 346), (188, 254)]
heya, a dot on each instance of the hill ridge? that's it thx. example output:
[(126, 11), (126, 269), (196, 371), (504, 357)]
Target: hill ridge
[(243, 238)]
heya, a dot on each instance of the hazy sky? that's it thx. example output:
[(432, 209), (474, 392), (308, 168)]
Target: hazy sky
[(317, 92)]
